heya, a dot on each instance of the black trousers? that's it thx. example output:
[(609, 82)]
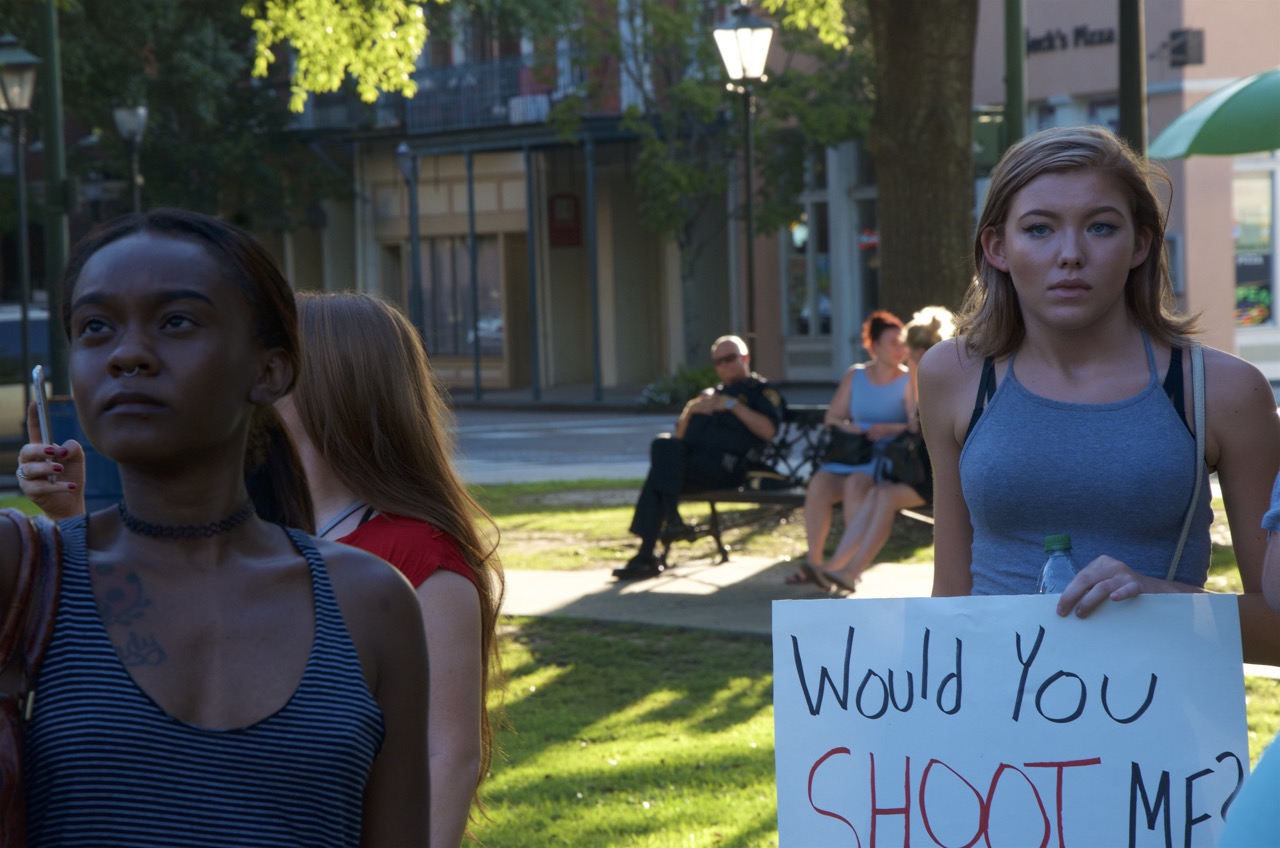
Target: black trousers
[(674, 467)]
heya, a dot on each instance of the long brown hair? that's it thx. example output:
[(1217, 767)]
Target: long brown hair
[(991, 319), (371, 405)]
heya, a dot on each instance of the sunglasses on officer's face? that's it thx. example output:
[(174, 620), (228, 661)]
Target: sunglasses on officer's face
[(727, 358)]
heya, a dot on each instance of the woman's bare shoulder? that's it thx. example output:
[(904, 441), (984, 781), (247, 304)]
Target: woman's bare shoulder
[(1230, 379), (360, 576), (949, 359)]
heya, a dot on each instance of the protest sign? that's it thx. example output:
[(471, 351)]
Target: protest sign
[(993, 721)]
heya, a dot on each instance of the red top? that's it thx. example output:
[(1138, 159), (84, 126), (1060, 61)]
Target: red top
[(414, 547)]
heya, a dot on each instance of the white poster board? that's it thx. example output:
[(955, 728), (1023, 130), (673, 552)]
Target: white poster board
[(994, 722)]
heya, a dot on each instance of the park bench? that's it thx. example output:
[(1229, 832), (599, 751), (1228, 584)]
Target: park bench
[(775, 484)]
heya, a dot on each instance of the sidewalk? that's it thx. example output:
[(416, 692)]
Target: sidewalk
[(735, 596)]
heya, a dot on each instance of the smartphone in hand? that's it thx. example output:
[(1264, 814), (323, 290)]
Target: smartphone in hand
[(42, 408)]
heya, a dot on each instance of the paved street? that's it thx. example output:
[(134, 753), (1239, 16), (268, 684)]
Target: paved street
[(511, 447)]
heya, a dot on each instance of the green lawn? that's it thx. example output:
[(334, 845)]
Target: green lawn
[(633, 735)]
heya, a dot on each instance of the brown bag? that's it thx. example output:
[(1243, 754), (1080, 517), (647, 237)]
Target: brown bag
[(25, 631)]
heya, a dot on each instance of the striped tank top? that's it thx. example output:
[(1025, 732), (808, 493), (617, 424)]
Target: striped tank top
[(106, 766)]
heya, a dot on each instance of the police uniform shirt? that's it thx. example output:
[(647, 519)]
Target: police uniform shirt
[(723, 430)]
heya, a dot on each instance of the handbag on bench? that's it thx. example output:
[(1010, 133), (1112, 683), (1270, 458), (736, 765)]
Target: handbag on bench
[(903, 460), (848, 448)]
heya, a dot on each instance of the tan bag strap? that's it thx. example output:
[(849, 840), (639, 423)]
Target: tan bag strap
[(12, 628), (24, 634), (28, 623), (1197, 403)]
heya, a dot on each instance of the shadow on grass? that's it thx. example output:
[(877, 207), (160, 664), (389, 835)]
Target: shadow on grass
[(634, 735)]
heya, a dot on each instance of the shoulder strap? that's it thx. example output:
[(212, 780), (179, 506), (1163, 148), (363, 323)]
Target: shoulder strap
[(12, 628), (44, 609), (1197, 401), (24, 635), (986, 391)]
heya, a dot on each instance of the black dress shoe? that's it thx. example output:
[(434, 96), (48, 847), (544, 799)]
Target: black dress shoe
[(639, 567), (676, 530)]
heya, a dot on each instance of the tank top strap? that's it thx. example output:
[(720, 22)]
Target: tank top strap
[(325, 600), (1154, 375), (75, 556)]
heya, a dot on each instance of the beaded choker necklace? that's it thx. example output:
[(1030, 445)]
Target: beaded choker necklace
[(185, 531)]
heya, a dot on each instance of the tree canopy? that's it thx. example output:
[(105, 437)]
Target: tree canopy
[(375, 42), (214, 141)]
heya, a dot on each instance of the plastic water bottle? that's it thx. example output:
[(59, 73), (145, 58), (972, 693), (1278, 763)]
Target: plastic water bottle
[(1059, 570)]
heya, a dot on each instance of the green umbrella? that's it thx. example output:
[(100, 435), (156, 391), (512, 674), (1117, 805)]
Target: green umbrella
[(1243, 117)]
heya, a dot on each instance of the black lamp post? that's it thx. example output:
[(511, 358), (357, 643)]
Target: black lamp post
[(17, 85), (407, 162), (131, 123), (743, 41)]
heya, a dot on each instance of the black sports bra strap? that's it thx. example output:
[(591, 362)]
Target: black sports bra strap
[(1173, 384), (986, 391)]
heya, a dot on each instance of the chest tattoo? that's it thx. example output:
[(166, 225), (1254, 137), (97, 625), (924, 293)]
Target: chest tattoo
[(141, 650), (121, 602)]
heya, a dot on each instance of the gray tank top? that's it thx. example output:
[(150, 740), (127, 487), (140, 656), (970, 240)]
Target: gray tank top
[(1116, 476)]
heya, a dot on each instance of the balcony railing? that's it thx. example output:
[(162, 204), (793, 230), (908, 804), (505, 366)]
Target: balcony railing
[(499, 92)]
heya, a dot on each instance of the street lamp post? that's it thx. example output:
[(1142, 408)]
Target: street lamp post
[(131, 123), (407, 162), (17, 85), (743, 41)]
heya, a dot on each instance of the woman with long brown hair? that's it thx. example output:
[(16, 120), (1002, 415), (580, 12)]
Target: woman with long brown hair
[(375, 437)]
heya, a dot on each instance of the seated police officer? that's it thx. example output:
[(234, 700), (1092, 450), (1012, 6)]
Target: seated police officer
[(715, 436)]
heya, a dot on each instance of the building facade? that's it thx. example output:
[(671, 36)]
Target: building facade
[(1222, 222), (535, 269)]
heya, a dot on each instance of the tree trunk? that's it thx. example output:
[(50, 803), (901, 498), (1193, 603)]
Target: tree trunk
[(922, 139)]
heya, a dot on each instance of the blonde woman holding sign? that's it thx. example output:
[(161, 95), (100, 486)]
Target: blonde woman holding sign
[(1066, 404)]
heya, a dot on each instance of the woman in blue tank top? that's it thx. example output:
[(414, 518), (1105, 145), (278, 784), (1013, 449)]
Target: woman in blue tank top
[(212, 679), (1088, 429), (871, 399), (867, 532)]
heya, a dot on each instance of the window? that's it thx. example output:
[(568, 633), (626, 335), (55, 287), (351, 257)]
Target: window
[(447, 299), (1251, 200), (807, 257)]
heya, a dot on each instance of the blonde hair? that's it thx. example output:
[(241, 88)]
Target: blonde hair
[(990, 319), (929, 326), (370, 404)]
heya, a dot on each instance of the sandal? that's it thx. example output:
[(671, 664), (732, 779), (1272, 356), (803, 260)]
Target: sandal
[(816, 575), (797, 578), (838, 578)]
